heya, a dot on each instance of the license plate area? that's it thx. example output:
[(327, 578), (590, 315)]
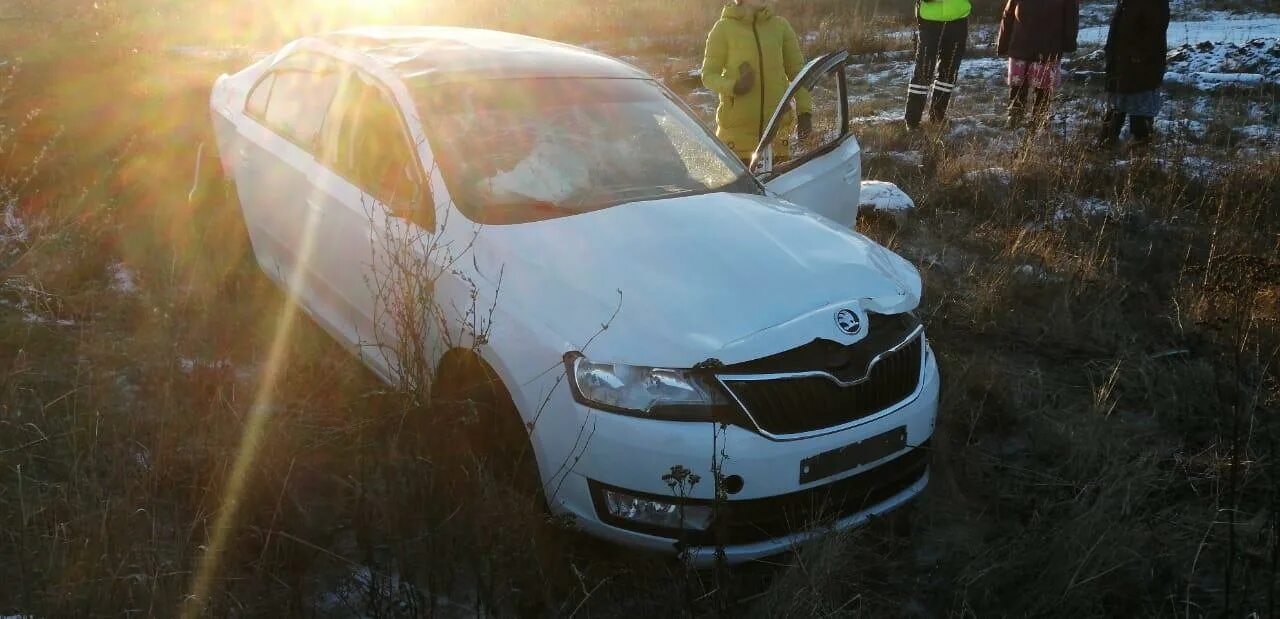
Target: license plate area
[(853, 455)]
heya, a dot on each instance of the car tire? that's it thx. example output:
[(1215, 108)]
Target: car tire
[(497, 436), (229, 210)]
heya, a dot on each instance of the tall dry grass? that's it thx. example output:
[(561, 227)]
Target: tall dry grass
[(1106, 443)]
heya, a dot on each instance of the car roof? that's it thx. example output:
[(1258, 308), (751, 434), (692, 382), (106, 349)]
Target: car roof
[(436, 55)]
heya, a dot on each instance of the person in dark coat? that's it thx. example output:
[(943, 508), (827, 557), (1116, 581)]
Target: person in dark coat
[(1034, 34), (1135, 62)]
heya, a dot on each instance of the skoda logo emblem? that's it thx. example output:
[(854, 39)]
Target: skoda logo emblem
[(848, 321)]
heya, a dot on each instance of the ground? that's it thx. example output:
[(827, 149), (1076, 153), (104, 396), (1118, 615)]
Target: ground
[(1106, 322)]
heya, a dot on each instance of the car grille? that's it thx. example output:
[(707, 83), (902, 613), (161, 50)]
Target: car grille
[(789, 405), (746, 522)]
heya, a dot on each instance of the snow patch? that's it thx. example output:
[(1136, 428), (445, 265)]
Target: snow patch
[(1262, 133), (991, 70), (1193, 128), (188, 366), (1221, 27), (1087, 207), (1032, 274), (972, 128), (999, 175), (122, 279), (1201, 168), (895, 76), (198, 52), (883, 117), (884, 197), (1216, 59), (30, 317), (365, 593), (12, 228), (910, 157)]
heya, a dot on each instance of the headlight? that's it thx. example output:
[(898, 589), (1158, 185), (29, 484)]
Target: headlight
[(656, 393), (656, 513)]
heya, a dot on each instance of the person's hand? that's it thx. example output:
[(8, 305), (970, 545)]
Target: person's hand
[(804, 126), (746, 79)]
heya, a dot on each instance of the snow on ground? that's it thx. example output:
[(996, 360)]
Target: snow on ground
[(123, 279), (888, 115), (896, 75), (1257, 58), (978, 70), (1259, 133), (1212, 64), (30, 317), (1214, 81), (997, 175), (884, 197), (1194, 166), (1087, 207), (910, 157), (363, 592), (1182, 128), (197, 52), (1219, 26), (12, 228)]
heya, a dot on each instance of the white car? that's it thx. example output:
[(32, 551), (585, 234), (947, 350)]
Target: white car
[(655, 305)]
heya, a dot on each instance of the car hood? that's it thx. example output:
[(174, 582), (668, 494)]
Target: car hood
[(677, 282)]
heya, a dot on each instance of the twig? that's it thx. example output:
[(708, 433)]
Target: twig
[(588, 597), (35, 442)]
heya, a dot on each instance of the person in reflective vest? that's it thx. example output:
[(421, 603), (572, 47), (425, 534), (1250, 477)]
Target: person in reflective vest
[(940, 46)]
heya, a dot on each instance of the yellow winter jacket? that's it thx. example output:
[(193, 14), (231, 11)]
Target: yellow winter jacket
[(768, 43)]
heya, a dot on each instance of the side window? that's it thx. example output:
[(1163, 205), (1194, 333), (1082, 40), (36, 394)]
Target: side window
[(257, 105), (826, 92), (293, 100), (828, 117), (365, 141)]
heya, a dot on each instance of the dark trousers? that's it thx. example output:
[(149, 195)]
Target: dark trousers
[(939, 51), (1018, 96), (1142, 127)]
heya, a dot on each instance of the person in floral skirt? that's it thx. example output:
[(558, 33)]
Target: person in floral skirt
[(1034, 34)]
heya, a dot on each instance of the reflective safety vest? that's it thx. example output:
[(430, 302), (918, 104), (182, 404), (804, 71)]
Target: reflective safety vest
[(943, 10)]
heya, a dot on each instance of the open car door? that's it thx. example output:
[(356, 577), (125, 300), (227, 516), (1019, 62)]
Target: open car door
[(823, 171)]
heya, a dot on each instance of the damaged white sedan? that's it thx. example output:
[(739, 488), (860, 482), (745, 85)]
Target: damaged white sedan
[(650, 304)]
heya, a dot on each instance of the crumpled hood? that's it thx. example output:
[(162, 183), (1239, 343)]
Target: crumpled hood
[(725, 276)]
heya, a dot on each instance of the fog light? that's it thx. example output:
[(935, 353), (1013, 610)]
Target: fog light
[(657, 513)]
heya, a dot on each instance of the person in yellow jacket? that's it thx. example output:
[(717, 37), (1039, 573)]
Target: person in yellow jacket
[(940, 47), (752, 56)]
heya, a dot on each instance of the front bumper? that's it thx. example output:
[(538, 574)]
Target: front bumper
[(634, 454)]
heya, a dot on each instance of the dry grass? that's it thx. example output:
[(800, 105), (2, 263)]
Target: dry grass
[(1107, 441)]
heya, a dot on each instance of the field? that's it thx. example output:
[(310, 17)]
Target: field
[(1108, 326)]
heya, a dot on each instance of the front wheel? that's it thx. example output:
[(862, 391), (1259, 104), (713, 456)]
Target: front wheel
[(496, 435)]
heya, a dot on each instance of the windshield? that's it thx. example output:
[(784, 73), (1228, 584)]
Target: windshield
[(522, 150)]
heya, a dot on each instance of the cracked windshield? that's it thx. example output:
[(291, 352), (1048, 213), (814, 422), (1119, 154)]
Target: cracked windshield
[(524, 150)]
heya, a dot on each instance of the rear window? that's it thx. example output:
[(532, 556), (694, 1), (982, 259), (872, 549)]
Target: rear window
[(293, 99)]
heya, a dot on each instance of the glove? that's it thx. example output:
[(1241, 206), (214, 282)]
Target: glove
[(804, 126), (746, 79)]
